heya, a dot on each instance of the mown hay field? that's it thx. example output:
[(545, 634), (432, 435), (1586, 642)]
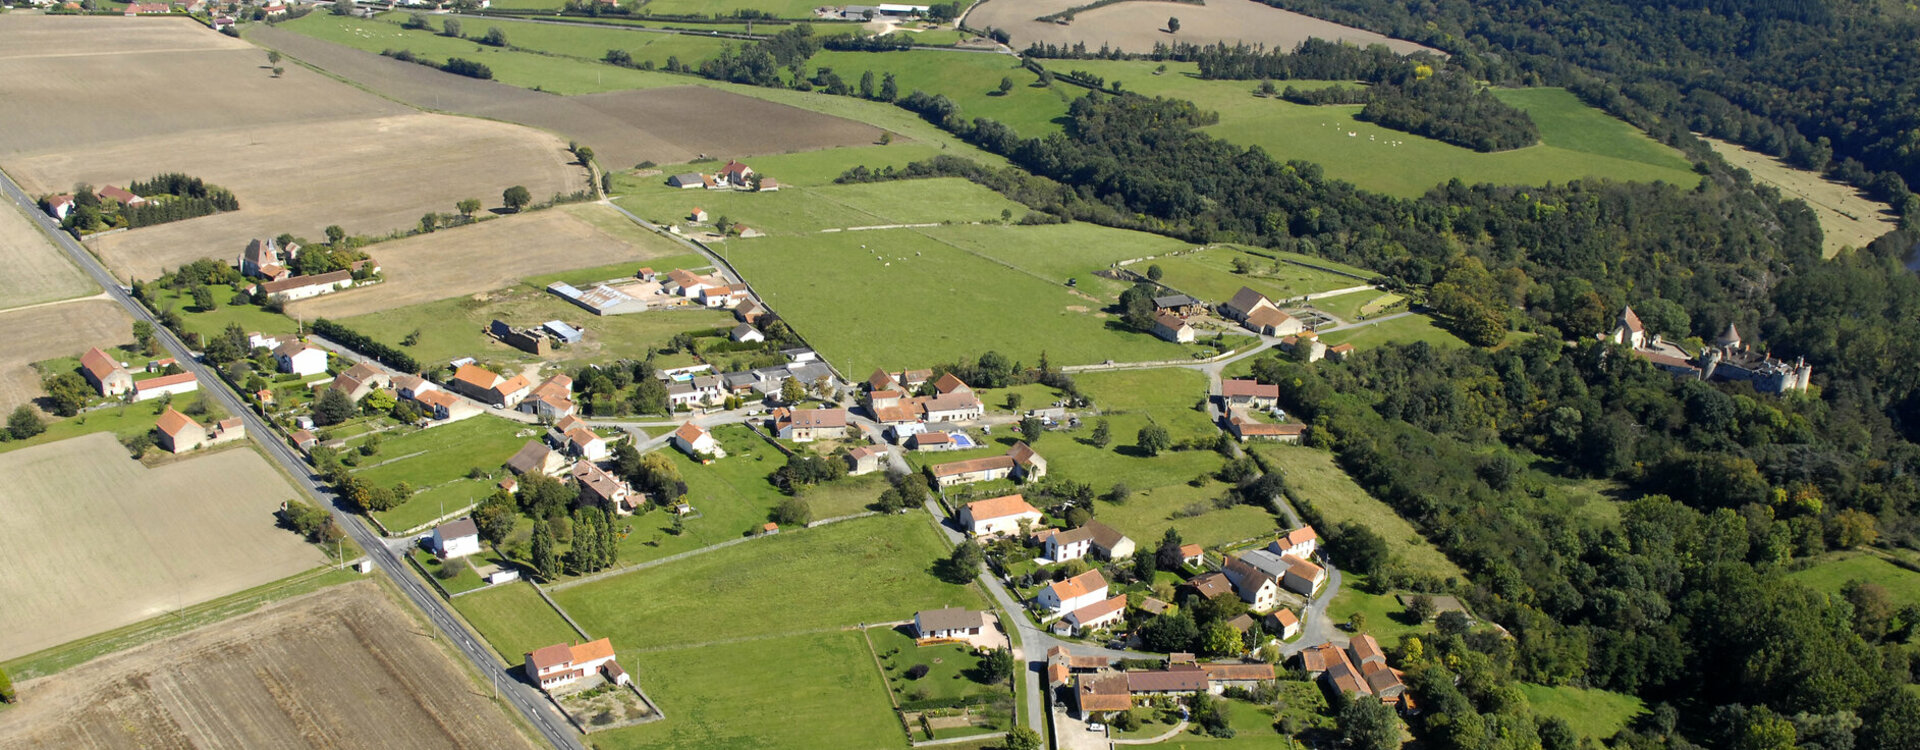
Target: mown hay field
[(36, 270), (66, 329), (1137, 26)]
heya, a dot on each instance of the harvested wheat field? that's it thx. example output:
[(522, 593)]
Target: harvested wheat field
[(1136, 26), (83, 81), (491, 255), (670, 125), (94, 540), (343, 667), (36, 270), (369, 176), (1848, 218), (65, 329)]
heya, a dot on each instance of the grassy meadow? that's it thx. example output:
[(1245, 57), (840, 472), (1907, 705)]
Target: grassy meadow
[(1209, 275), (1831, 574), (1401, 330), (514, 619), (1576, 141), (1314, 477), (971, 81), (1598, 714), (456, 327)]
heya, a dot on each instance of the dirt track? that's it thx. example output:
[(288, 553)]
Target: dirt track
[(666, 125), (65, 329), (340, 668), (1136, 26), (94, 540)]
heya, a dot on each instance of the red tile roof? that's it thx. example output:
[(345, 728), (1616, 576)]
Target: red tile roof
[(999, 507), (1248, 388), (98, 364), (172, 422)]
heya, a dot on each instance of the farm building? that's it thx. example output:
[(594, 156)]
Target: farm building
[(441, 405), (551, 399), (1000, 515), (1245, 429), (1178, 304), (456, 539), (562, 332), (687, 181), (597, 485), (865, 459), (1172, 328), (1249, 394), (303, 287), (528, 340), (696, 441), (178, 433), (165, 385), (536, 458), (808, 425), (600, 300), (107, 375)]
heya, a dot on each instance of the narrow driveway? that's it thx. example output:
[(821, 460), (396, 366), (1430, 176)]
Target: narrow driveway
[(524, 698)]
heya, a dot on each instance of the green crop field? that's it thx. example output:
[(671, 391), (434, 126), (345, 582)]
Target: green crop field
[(1209, 275), (808, 210), (457, 327), (899, 298), (1592, 713), (971, 81), (1832, 573), (1577, 141), (514, 619), (875, 569), (514, 67), (1314, 477), (732, 497), (814, 691)]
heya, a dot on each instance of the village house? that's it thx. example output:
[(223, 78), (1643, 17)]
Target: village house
[(551, 399), (1259, 589), (478, 383), (951, 623), (1063, 664), (750, 312), (1095, 694), (410, 386), (701, 390), (106, 374), (931, 441), (881, 380), (1072, 544), (1243, 429), (600, 487), (456, 539), (808, 425), (745, 333), (1301, 542), (683, 283), (121, 196), (360, 380), (725, 295), (301, 358), (585, 443), (1283, 623), (1027, 463), (1061, 597), (697, 442), (536, 458), (178, 433), (439, 405), (1249, 394), (303, 440), (1180, 680), (995, 516), (734, 174), (1339, 352), (561, 664), (165, 385), (59, 207), (948, 384), (1211, 585), (1193, 555), (952, 407), (265, 259), (1108, 542), (973, 470), (1292, 573), (1315, 349), (1172, 328), (1223, 675), (1099, 615), (866, 459)]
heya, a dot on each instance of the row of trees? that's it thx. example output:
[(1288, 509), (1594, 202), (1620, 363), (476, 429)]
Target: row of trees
[(1449, 107)]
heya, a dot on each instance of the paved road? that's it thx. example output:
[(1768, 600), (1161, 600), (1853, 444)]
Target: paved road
[(528, 701)]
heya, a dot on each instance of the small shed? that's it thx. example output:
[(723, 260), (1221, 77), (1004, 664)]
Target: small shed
[(562, 331)]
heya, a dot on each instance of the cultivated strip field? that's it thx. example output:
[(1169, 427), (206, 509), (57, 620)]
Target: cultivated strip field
[(36, 270), (94, 81), (666, 125), (341, 668), (1136, 26), (94, 540), (1847, 218), (491, 255), (48, 331)]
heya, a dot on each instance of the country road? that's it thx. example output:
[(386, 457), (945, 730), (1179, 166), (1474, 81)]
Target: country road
[(527, 700)]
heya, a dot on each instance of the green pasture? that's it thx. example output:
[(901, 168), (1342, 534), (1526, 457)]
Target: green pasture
[(1830, 575), (123, 420), (731, 498), (209, 323), (515, 620), (1598, 714), (971, 81), (585, 41), (457, 327), (438, 455), (724, 8), (1577, 141), (1402, 330), (801, 169), (1354, 306), (1209, 275), (810, 210), (1312, 475)]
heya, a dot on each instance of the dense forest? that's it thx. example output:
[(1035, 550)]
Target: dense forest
[(1825, 85), (1449, 107)]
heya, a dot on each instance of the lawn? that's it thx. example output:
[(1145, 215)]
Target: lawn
[(123, 420), (971, 81), (948, 666), (532, 70), (1402, 330), (875, 569), (1385, 618), (467, 579), (425, 506), (209, 323), (515, 620), (900, 298), (1337, 499), (1252, 725), (456, 327), (1829, 575), (1577, 141), (444, 454), (731, 497), (846, 496), (1209, 275), (1592, 713), (814, 691)]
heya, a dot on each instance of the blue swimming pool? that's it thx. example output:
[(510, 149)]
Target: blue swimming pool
[(962, 442)]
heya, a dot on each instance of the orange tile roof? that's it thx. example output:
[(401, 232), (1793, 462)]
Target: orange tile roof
[(476, 376), (999, 507), (1191, 550), (98, 363), (948, 383), (1285, 617), (586, 652), (690, 432), (436, 398), (1100, 609), (164, 381), (172, 422), (1298, 536), (1079, 585), (1252, 388), (1238, 671)]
